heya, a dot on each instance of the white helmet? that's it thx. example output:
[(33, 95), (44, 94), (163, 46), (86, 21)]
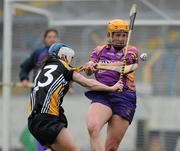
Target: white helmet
[(67, 52), (61, 50)]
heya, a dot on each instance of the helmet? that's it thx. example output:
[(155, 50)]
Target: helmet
[(59, 49), (116, 25)]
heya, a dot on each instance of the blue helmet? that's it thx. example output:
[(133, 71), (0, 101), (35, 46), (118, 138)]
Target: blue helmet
[(54, 49), (59, 49)]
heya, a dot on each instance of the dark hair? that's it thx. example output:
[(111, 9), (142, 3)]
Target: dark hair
[(50, 30), (46, 59)]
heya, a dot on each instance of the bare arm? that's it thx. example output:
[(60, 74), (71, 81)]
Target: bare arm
[(95, 85), (92, 67), (128, 68)]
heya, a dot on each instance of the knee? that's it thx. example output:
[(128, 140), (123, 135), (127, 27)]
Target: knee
[(112, 145), (93, 129)]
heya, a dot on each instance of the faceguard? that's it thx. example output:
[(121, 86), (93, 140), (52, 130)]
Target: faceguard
[(61, 50)]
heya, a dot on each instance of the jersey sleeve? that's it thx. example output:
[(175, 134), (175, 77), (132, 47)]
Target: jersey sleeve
[(95, 55), (132, 55)]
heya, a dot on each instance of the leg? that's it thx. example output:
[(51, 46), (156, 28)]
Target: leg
[(98, 115), (117, 127), (64, 142)]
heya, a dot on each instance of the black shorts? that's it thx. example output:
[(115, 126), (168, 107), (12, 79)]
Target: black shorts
[(46, 127)]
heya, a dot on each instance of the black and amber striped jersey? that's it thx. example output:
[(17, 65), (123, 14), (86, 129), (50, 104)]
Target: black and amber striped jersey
[(50, 86)]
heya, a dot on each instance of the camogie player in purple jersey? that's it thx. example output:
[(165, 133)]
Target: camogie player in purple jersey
[(114, 108)]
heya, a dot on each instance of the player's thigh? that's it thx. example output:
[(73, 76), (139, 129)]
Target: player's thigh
[(64, 141), (98, 114), (116, 129)]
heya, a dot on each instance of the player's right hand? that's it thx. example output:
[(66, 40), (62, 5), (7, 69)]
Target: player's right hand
[(26, 84), (118, 86)]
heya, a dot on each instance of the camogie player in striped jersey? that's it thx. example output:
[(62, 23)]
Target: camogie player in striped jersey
[(116, 109), (47, 121)]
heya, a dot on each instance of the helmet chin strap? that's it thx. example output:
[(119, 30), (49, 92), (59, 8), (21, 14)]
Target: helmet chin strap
[(65, 59), (118, 47)]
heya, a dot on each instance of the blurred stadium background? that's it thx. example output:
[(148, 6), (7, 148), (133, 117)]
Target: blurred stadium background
[(82, 24)]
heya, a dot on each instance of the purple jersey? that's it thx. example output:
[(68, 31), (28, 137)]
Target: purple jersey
[(107, 54)]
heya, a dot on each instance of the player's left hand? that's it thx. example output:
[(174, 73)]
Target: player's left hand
[(89, 68)]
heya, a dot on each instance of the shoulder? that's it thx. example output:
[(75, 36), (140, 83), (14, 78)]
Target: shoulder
[(101, 47), (132, 50), (35, 52), (40, 50), (66, 65)]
